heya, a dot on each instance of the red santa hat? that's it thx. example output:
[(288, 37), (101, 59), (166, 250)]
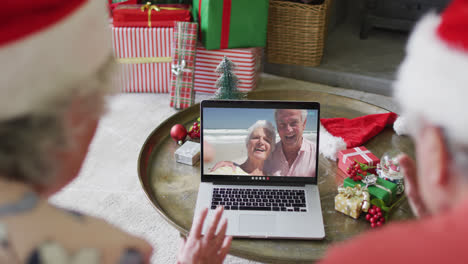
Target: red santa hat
[(432, 81), (341, 133), (45, 47)]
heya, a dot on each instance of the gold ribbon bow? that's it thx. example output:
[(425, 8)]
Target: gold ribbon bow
[(148, 6), (357, 192)]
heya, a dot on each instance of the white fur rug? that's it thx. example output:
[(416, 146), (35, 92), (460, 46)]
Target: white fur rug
[(108, 185)]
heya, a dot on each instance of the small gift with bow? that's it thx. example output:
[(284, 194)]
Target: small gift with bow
[(378, 187), (149, 15), (352, 201), (183, 64), (358, 154)]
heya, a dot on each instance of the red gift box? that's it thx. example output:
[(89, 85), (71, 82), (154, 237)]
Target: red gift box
[(248, 66), (360, 154), (150, 15), (145, 57), (114, 4)]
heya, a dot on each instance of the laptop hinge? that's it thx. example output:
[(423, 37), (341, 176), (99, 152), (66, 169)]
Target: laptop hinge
[(259, 184)]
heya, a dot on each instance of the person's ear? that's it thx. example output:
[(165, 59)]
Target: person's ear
[(437, 155)]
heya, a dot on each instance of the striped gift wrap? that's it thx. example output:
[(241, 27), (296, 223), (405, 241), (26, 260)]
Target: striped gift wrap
[(145, 57), (248, 67)]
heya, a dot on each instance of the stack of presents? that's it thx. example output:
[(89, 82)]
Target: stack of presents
[(174, 46), (370, 182)]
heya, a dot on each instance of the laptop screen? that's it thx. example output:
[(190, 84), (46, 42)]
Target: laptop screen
[(266, 141)]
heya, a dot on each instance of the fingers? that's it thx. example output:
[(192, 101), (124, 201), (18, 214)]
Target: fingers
[(182, 246), (408, 165), (197, 226), (221, 234), (225, 247), (223, 164), (214, 225), (409, 170)]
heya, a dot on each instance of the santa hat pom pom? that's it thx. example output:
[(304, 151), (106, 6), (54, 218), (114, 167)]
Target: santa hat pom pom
[(329, 144), (400, 126)]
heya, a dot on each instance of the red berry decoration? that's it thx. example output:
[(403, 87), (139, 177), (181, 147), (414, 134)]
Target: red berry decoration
[(194, 131), (178, 133), (375, 216)]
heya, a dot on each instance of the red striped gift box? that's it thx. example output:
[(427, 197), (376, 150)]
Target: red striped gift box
[(247, 61), (145, 57)]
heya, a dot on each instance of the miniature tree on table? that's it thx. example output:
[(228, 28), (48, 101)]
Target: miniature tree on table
[(227, 82)]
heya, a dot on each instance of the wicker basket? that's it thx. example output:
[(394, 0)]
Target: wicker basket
[(296, 32)]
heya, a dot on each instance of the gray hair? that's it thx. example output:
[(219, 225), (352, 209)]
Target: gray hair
[(266, 125), (303, 113), (28, 143)]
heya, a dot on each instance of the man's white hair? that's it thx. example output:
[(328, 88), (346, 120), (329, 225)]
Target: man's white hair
[(303, 114), (271, 132)]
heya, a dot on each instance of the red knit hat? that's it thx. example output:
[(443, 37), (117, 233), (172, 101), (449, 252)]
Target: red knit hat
[(45, 47), (432, 82)]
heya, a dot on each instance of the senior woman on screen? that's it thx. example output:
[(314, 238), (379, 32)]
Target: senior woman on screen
[(260, 142)]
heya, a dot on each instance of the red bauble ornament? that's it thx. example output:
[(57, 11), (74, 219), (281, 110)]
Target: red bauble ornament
[(178, 133)]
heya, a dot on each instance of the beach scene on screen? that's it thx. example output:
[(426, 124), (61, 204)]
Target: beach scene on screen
[(225, 129)]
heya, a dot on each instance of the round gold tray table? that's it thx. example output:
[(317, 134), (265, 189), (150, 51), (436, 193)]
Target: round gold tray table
[(172, 187)]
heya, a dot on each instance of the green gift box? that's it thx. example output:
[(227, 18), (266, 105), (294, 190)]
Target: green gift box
[(231, 23), (384, 190)]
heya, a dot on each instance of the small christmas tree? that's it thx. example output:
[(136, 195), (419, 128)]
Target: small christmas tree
[(227, 82)]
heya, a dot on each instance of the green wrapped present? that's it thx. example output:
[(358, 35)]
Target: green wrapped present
[(378, 187), (231, 23)]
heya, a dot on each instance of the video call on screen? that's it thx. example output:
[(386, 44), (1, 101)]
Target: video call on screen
[(254, 140)]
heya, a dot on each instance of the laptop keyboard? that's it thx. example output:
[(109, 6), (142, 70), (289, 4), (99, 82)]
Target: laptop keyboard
[(259, 199)]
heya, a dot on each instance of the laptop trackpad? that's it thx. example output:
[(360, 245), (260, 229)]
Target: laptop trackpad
[(253, 224)]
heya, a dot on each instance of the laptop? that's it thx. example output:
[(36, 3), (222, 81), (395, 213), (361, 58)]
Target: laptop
[(267, 178)]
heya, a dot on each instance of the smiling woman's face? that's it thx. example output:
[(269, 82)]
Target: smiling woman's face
[(259, 144)]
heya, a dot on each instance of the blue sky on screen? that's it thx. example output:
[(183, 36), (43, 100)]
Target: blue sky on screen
[(243, 118)]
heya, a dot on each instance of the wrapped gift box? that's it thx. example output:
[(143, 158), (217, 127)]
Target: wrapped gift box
[(145, 58), (360, 154), (248, 66), (188, 153), (113, 4), (183, 65), (384, 190), (150, 15), (351, 201), (232, 24)]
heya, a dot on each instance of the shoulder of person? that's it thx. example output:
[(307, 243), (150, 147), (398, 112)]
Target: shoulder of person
[(419, 241), (49, 230), (113, 242), (310, 145)]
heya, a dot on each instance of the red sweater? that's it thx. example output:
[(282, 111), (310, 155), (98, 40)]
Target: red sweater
[(439, 239)]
